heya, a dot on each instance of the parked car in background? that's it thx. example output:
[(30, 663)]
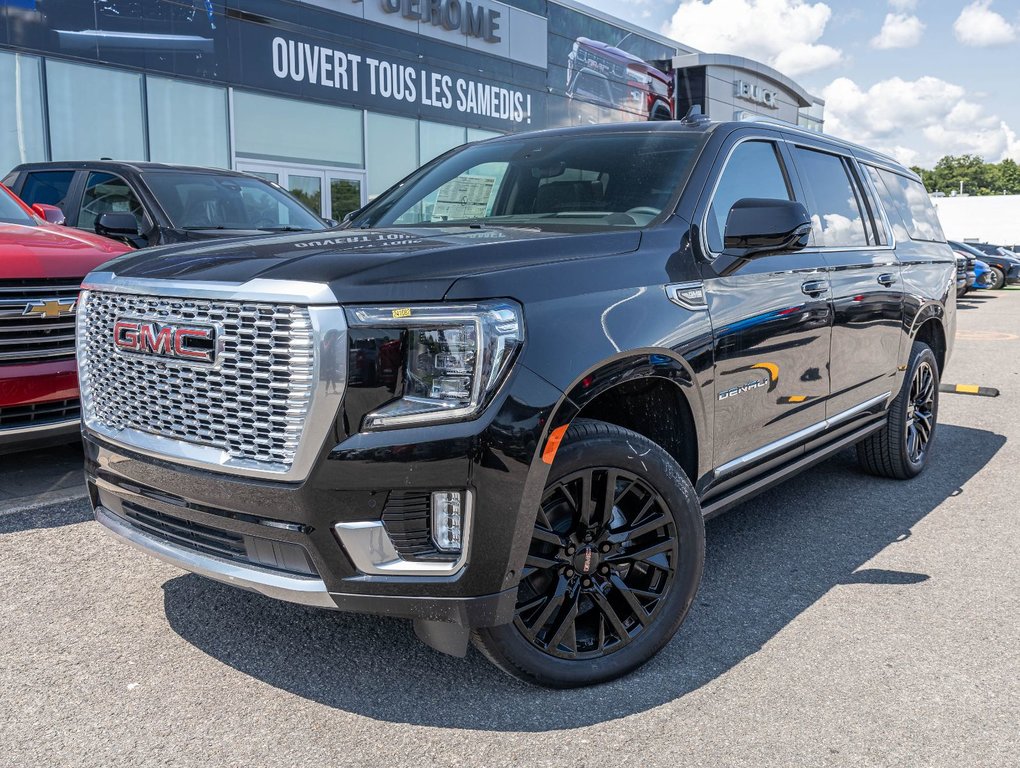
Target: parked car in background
[(969, 256), (146, 204), (41, 267), (983, 277), (1004, 265)]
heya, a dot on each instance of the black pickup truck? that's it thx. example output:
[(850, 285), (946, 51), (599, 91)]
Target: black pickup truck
[(503, 399)]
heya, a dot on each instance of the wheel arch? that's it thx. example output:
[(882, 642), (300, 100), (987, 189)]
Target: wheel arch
[(648, 391), (929, 326)]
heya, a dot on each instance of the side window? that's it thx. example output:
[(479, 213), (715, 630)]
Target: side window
[(48, 187), (106, 193), (907, 205), (753, 170), (833, 200)]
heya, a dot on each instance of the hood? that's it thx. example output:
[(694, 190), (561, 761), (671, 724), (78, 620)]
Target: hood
[(379, 265), (48, 250)]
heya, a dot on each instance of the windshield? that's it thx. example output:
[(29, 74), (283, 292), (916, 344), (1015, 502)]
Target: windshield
[(567, 182), (10, 211), (211, 201)]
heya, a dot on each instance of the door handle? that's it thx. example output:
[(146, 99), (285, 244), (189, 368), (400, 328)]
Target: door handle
[(887, 279), (814, 287)]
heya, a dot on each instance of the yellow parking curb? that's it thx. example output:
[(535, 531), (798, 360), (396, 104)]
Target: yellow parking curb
[(969, 389)]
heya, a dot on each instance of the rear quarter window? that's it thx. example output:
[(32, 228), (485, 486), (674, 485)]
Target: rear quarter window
[(906, 203), (48, 187)]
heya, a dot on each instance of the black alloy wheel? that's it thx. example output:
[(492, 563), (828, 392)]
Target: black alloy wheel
[(902, 447), (614, 561), (602, 560), (920, 422)]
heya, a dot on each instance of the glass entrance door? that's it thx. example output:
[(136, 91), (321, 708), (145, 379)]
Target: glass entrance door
[(329, 192)]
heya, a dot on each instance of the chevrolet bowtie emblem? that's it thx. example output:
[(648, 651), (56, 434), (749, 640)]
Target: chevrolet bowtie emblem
[(50, 307)]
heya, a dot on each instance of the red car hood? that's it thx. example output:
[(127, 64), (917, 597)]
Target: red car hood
[(48, 250)]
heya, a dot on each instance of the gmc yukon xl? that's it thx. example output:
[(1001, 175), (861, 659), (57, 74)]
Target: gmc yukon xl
[(503, 399)]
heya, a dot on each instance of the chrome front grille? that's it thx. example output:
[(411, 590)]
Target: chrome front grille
[(246, 410), (37, 319)]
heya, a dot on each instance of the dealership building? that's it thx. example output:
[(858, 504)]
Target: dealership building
[(338, 99)]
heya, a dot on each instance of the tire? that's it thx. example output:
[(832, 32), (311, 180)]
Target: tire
[(997, 278), (900, 450), (577, 620)]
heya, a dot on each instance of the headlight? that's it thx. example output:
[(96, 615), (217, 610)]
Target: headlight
[(455, 358)]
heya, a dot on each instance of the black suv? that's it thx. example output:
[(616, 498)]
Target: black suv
[(502, 401), (146, 204)]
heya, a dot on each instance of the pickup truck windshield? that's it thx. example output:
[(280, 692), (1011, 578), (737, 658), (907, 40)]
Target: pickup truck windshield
[(588, 182), (211, 201), (11, 212)]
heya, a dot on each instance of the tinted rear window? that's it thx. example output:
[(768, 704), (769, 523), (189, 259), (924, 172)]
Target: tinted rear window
[(908, 206), (49, 187)]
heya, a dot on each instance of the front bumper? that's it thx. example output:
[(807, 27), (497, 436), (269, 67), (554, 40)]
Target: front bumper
[(38, 404), (280, 539)]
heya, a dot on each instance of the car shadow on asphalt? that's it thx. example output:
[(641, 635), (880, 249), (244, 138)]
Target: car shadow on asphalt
[(766, 562)]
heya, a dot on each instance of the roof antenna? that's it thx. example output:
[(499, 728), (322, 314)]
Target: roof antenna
[(694, 116)]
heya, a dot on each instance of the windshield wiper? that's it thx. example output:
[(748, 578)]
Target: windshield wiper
[(283, 229)]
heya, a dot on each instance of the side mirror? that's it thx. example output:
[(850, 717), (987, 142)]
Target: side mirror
[(758, 226), (116, 225), (49, 213)]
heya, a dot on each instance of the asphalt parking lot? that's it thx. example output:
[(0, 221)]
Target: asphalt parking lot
[(843, 620)]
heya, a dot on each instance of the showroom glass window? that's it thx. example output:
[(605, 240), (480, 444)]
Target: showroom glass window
[(271, 128), (391, 148), (107, 101), (753, 170), (833, 202), (22, 135), (187, 123)]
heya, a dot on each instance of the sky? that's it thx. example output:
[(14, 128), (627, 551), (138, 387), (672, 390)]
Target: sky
[(918, 79)]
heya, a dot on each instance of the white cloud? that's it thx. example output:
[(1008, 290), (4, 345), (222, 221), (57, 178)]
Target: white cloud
[(978, 25), (900, 30), (917, 121), (782, 33), (903, 5)]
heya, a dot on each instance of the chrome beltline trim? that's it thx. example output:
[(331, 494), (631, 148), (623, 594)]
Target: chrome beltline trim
[(372, 552), (294, 589), (259, 289), (803, 434)]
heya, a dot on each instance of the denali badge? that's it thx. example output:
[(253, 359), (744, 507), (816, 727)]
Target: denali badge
[(196, 343), (743, 388)]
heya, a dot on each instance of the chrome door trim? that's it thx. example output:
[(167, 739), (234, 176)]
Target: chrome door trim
[(801, 435)]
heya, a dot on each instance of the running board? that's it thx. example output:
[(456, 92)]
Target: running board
[(764, 482)]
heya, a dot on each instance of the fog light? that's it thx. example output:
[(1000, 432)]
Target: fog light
[(447, 520)]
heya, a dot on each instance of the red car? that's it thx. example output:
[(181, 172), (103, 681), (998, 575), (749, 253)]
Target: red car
[(41, 267), (611, 78)]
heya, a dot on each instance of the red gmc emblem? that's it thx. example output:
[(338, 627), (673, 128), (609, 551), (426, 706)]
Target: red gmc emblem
[(196, 343)]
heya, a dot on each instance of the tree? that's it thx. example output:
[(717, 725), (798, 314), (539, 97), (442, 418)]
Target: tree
[(975, 175)]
